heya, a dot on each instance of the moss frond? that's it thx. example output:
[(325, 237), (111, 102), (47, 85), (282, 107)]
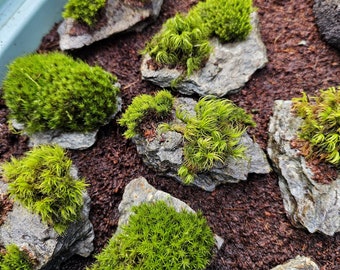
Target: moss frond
[(15, 259), (161, 105), (320, 129), (41, 182)]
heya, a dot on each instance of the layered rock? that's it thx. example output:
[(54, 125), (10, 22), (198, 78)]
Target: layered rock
[(308, 204), (119, 16), (26, 230), (228, 68), (327, 15), (165, 155)]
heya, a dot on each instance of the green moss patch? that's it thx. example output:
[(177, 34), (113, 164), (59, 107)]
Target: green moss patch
[(54, 92), (158, 237)]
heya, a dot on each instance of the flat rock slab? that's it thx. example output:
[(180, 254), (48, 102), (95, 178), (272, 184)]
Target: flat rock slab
[(26, 230), (298, 263), (165, 155), (120, 17), (228, 68), (308, 204)]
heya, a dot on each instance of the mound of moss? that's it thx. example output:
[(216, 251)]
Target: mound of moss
[(54, 92), (12, 258), (84, 11), (158, 237), (41, 182), (229, 20), (142, 106), (183, 41), (320, 129)]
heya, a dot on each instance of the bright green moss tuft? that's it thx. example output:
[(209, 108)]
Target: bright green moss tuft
[(83, 10), (229, 20), (159, 106), (15, 259), (320, 129), (182, 41), (41, 182), (158, 237), (211, 136), (53, 91)]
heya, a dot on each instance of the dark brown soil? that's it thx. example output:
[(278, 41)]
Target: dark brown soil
[(249, 215)]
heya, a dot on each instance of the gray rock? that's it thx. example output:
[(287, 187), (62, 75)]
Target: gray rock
[(120, 17), (165, 155), (228, 68), (308, 203), (139, 191), (327, 13), (67, 140), (298, 263), (26, 230)]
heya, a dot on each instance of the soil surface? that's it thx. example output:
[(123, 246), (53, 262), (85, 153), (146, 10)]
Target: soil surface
[(249, 216)]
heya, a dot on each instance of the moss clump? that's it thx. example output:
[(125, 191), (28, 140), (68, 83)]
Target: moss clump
[(15, 259), (84, 11), (320, 129), (211, 136), (158, 106), (183, 41), (53, 91), (158, 237), (41, 182), (229, 20)]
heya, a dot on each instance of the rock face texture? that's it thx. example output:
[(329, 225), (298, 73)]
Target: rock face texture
[(308, 203), (120, 16), (298, 263), (139, 191), (165, 155), (228, 68), (327, 13), (26, 230)]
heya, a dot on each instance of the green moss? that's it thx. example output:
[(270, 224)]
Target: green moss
[(158, 106), (229, 20), (183, 41), (158, 237), (53, 91), (211, 136), (320, 129), (83, 10), (41, 182), (15, 259)]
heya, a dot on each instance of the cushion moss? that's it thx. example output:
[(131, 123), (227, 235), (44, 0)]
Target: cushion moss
[(12, 258), (55, 92), (158, 237), (84, 11), (41, 182)]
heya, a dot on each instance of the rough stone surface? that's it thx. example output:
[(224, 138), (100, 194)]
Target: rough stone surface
[(67, 140), (165, 155), (308, 204), (139, 191), (26, 230), (298, 263), (120, 17), (327, 13), (228, 68)]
